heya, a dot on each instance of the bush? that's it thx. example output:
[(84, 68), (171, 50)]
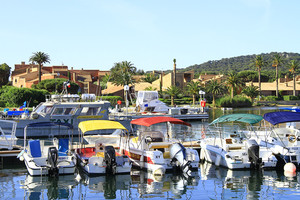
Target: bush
[(15, 97), (236, 102), (290, 97), (272, 98), (112, 99)]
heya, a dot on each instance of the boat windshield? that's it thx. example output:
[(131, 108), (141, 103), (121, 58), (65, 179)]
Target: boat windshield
[(226, 131), (43, 109)]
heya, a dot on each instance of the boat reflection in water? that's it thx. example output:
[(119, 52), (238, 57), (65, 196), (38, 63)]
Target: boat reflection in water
[(149, 185), (108, 185), (221, 182), (44, 187)]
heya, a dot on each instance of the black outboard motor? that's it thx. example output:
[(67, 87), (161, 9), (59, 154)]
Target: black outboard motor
[(253, 154), (52, 160), (110, 159)]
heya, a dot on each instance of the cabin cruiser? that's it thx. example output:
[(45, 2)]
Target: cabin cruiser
[(97, 157), (229, 147), (62, 108), (50, 157), (158, 152)]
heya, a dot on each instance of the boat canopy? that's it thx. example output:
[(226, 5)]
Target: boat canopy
[(48, 124), (148, 121), (282, 117), (246, 118), (93, 125)]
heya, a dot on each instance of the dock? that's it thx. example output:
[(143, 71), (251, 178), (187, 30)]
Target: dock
[(121, 116)]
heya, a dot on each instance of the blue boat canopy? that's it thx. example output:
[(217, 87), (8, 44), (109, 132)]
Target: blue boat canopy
[(282, 117), (246, 118), (48, 124)]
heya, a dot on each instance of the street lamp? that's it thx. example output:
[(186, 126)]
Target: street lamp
[(126, 88), (58, 74)]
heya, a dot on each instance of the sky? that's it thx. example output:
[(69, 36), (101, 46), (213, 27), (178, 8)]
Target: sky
[(96, 34)]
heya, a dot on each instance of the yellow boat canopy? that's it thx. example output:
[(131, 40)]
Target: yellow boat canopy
[(92, 125)]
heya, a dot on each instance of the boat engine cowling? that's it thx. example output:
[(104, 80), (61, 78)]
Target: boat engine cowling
[(110, 159), (253, 153), (178, 156), (52, 161)]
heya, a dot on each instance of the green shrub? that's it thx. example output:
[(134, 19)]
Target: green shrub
[(235, 102), (271, 98), (2, 103), (112, 99), (290, 97)]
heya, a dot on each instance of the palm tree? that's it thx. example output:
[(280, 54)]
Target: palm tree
[(173, 91), (193, 88), (277, 60), (215, 88), (234, 82), (40, 58), (150, 88), (122, 72), (259, 63), (251, 91), (149, 78), (294, 65)]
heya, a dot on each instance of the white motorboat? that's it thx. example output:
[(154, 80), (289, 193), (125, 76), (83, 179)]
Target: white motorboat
[(47, 157), (158, 152), (231, 148), (98, 158), (283, 141), (8, 140)]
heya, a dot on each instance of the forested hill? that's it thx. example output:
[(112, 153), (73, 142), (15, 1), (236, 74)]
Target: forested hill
[(242, 63)]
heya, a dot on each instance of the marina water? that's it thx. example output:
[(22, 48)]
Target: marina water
[(209, 182)]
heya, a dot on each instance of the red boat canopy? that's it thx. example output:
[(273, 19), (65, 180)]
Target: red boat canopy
[(156, 120)]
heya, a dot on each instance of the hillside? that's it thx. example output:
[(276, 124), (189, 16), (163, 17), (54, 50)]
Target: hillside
[(241, 63)]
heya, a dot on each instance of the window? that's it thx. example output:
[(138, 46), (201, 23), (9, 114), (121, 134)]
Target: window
[(58, 111), (90, 110)]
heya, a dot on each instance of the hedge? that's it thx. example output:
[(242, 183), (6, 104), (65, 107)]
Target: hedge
[(235, 102), (290, 97), (112, 99)]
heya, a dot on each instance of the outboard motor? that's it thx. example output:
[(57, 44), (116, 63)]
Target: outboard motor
[(178, 155), (52, 160), (110, 159), (253, 154)]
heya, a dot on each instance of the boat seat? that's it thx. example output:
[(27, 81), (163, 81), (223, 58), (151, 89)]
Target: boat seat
[(63, 146), (35, 148)]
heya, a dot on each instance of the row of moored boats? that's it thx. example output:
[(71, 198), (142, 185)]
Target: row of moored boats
[(236, 141)]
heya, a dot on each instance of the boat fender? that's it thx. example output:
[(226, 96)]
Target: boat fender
[(52, 161), (110, 159), (253, 153)]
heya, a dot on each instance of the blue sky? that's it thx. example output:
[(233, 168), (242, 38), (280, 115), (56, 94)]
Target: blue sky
[(95, 34)]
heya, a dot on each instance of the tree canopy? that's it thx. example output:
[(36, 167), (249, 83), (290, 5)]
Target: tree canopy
[(53, 85), (4, 74), (122, 72)]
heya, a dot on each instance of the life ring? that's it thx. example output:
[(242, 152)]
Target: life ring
[(292, 138), (203, 103)]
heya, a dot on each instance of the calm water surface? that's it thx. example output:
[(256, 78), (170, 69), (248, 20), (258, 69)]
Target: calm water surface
[(208, 183)]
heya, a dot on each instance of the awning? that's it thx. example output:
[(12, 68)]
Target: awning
[(246, 118), (148, 121), (282, 117), (93, 125)]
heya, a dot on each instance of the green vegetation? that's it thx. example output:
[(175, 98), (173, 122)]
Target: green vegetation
[(112, 99), (241, 63), (15, 97), (56, 86), (4, 74), (236, 101), (40, 58), (122, 72), (289, 97), (173, 91)]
